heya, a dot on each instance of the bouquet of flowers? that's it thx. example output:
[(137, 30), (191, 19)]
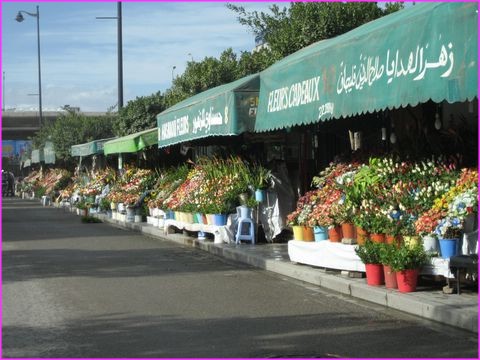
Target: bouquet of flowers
[(449, 228)]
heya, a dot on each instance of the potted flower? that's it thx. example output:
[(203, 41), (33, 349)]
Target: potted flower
[(387, 253), (425, 226), (377, 226), (449, 232), (361, 222), (261, 179), (369, 254), (344, 216), (407, 262), (292, 221)]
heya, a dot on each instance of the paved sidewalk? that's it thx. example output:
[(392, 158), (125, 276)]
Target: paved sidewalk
[(431, 303)]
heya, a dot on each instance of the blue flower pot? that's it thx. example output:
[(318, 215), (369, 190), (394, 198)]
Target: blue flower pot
[(220, 219), (448, 247), (260, 195), (321, 233)]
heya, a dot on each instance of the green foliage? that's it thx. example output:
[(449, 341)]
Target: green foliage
[(251, 203), (139, 114), (261, 177), (104, 204), (63, 183), (387, 253), (370, 252), (90, 220), (408, 257), (39, 192), (71, 129), (287, 30)]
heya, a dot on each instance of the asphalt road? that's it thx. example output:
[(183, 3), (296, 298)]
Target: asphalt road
[(92, 290)]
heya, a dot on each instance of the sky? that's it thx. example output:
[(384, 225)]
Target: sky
[(79, 52)]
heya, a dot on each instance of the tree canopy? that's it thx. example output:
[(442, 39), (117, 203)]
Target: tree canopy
[(71, 129)]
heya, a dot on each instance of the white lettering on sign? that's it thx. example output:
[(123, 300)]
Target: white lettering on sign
[(301, 93), (174, 128), (325, 109), (206, 119), (415, 64)]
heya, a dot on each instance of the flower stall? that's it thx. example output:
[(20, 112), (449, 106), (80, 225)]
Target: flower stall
[(401, 203), (42, 183)]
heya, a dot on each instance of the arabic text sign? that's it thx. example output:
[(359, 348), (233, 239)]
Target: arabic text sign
[(200, 122)]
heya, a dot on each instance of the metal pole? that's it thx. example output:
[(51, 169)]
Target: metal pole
[(3, 92), (39, 70), (120, 56)]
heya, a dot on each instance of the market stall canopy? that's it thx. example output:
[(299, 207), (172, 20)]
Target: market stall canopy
[(228, 109), (427, 51), (49, 153), (37, 156), (26, 163), (90, 148), (131, 143)]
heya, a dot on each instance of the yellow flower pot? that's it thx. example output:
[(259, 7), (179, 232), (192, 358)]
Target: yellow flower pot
[(297, 232)]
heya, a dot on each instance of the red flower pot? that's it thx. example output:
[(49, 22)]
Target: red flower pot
[(335, 234), (407, 280), (348, 231), (377, 238), (390, 277), (362, 235), (374, 274)]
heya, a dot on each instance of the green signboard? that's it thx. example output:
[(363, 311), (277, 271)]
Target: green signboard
[(131, 143), (427, 51), (228, 109)]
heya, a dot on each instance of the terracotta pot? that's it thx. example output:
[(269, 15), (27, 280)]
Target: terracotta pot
[(297, 232), (377, 238), (308, 233), (374, 274), (335, 234), (407, 280), (348, 231), (392, 239), (362, 235), (390, 277)]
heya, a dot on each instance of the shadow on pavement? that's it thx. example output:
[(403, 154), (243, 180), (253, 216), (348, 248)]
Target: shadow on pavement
[(267, 337)]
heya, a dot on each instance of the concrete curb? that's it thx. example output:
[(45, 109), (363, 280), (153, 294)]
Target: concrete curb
[(455, 313)]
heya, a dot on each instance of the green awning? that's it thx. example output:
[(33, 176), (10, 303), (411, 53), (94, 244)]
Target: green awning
[(37, 156), (49, 153), (427, 51), (131, 143), (90, 148), (27, 163), (228, 109)]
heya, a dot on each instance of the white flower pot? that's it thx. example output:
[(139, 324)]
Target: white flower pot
[(430, 244)]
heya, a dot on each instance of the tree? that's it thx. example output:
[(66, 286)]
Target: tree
[(288, 30), (71, 129), (139, 114)]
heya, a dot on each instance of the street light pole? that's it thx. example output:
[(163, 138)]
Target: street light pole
[(173, 68), (119, 52), (20, 18), (3, 92), (120, 55)]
